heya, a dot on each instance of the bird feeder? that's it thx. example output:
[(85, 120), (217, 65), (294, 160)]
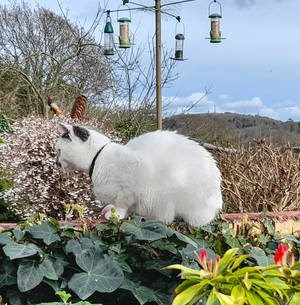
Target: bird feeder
[(179, 41), (215, 16), (108, 37), (124, 38)]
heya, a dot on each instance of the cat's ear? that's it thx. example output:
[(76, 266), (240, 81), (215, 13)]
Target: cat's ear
[(65, 128), (81, 132)]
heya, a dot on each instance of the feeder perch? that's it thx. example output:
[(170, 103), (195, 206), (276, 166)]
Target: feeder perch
[(179, 42), (215, 16), (124, 38), (108, 37)]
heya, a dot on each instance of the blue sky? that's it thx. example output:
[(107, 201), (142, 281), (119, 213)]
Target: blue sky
[(256, 70)]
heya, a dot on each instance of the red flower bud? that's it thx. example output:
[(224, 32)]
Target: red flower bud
[(277, 258), (280, 255), (210, 265), (203, 255), (292, 261)]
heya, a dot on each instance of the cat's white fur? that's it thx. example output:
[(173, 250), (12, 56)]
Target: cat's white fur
[(158, 175)]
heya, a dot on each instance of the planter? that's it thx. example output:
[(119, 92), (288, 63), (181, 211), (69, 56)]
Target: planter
[(285, 222)]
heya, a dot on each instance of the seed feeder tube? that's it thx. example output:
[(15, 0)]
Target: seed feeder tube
[(108, 37), (179, 42), (124, 37), (215, 17)]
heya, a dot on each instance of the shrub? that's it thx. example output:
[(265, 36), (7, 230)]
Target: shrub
[(4, 124), (120, 262), (225, 282), (260, 178), (39, 186)]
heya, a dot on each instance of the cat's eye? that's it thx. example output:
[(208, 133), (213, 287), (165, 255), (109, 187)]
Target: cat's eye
[(66, 135)]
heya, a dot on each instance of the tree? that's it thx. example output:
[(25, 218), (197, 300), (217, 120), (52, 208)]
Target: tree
[(43, 54)]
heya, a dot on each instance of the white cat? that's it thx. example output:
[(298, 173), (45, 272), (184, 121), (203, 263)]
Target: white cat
[(158, 175)]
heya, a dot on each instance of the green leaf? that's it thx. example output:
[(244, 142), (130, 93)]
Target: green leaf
[(253, 298), (52, 268), (69, 234), (227, 259), (63, 296), (102, 274), (5, 239), (224, 299), (260, 256), (144, 294), (19, 234), (164, 245), (186, 284), (280, 284), (269, 226), (44, 231), (7, 279), (181, 237), (212, 299), (14, 250), (14, 297), (238, 292), (268, 298), (55, 285), (29, 275), (187, 295), (67, 226), (76, 246), (149, 230), (263, 239), (295, 299), (292, 238), (189, 251), (238, 261)]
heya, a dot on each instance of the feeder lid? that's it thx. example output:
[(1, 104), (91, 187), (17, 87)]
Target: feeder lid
[(216, 15), (108, 27), (179, 37), (124, 19)]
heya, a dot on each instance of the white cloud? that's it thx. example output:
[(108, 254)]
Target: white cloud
[(195, 103), (254, 103), (223, 96)]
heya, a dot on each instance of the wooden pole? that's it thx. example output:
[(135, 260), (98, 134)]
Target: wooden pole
[(158, 63)]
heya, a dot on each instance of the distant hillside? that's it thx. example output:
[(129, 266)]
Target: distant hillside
[(232, 128)]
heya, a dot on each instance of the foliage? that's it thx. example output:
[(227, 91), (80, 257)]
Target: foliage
[(130, 126), (5, 213), (64, 298), (4, 124), (28, 157), (120, 262), (227, 283)]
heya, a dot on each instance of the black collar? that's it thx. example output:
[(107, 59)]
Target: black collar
[(94, 160)]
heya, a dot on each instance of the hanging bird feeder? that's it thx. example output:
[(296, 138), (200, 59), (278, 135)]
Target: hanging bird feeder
[(179, 41), (124, 37), (215, 16), (108, 36)]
